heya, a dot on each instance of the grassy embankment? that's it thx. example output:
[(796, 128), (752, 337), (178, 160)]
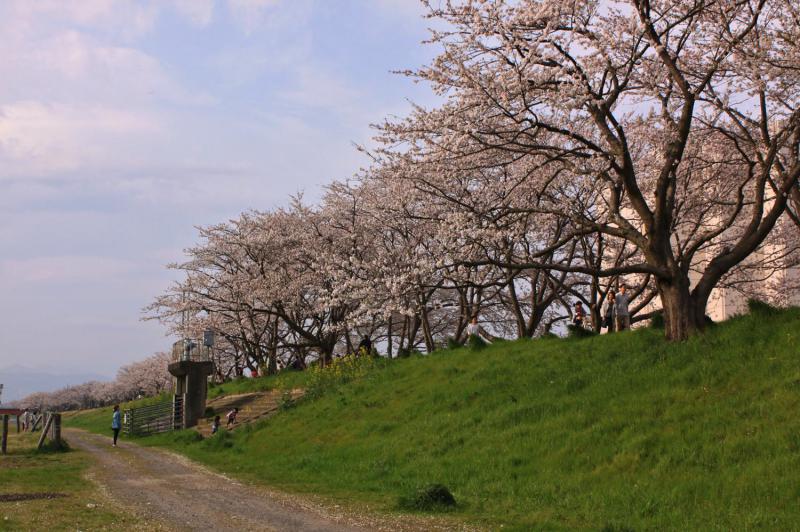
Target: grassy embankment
[(61, 498), (616, 432)]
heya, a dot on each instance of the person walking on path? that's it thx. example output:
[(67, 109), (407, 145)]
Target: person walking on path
[(609, 310), (116, 424), (215, 425), (621, 309)]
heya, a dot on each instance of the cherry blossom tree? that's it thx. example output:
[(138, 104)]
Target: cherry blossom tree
[(670, 125)]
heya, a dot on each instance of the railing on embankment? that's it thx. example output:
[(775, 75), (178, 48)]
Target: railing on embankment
[(152, 419)]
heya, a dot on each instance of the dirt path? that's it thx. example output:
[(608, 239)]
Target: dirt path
[(182, 495)]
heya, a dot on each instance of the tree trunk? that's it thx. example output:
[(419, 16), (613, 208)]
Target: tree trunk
[(389, 338), (684, 313), (348, 342), (426, 331), (412, 332), (272, 365), (403, 335)]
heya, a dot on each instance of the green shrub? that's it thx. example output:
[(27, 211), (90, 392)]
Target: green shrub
[(286, 401), (52, 447), (756, 306), (220, 441), (617, 528), (475, 342), (657, 320), (428, 499), (576, 331), (338, 372), (452, 343), (186, 436)]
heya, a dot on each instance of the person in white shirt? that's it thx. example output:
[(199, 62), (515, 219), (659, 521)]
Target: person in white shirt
[(232, 417), (473, 329)]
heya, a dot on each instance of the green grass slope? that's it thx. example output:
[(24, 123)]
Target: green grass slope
[(615, 432)]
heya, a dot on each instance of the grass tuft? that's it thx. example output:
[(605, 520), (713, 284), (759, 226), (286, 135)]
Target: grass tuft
[(432, 498), (50, 446)]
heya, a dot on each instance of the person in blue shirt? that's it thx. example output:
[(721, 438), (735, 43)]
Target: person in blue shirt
[(116, 423)]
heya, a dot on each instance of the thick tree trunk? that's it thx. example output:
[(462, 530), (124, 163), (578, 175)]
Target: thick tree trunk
[(684, 312)]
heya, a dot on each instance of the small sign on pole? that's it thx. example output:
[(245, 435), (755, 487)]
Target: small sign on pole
[(208, 338)]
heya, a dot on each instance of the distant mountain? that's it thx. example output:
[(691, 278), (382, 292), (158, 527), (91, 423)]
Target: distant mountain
[(20, 381)]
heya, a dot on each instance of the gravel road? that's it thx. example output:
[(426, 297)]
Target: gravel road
[(172, 490)]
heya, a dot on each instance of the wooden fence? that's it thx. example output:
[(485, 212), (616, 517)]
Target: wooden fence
[(152, 419), (52, 428)]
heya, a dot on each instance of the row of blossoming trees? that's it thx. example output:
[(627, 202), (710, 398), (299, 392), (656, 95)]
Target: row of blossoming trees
[(578, 143), (145, 378)]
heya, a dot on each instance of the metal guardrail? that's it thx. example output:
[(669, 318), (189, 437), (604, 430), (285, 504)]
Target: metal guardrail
[(153, 419), (189, 350)]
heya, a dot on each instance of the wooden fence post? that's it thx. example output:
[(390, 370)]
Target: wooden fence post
[(17, 423), (4, 442), (56, 435), (45, 430)]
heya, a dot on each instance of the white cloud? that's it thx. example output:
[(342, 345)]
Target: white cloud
[(409, 8), (39, 139), (198, 12), (251, 15), (314, 87), (63, 269), (125, 19), (71, 65)]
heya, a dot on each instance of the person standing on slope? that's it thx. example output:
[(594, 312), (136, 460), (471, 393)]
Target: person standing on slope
[(475, 330), (579, 316), (609, 310), (116, 424), (232, 417), (621, 311)]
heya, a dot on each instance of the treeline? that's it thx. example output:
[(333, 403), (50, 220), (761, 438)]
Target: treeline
[(145, 378)]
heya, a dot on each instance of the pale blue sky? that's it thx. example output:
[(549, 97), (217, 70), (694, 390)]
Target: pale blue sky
[(124, 124)]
